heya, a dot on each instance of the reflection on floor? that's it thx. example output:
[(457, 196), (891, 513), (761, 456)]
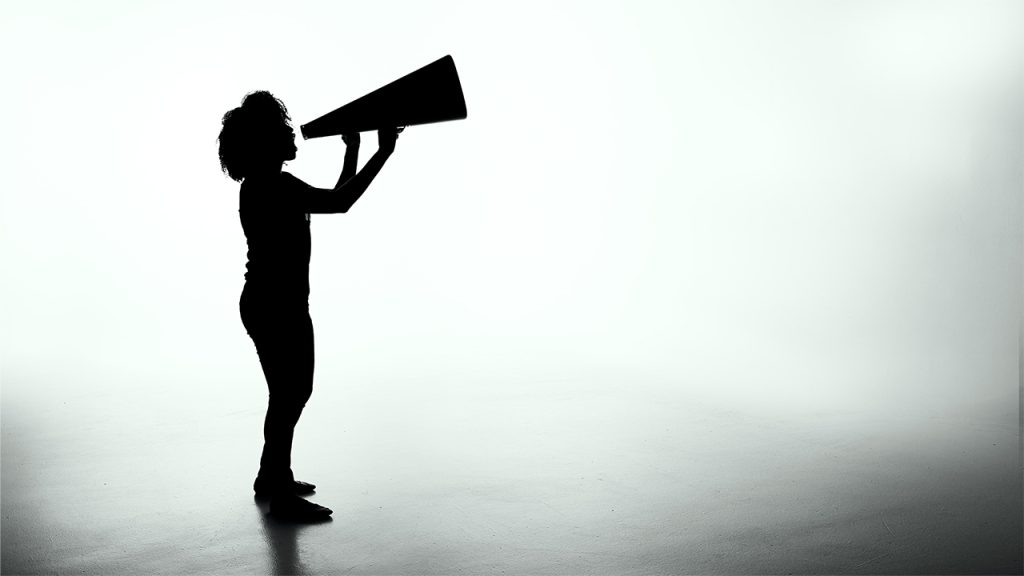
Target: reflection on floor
[(556, 477)]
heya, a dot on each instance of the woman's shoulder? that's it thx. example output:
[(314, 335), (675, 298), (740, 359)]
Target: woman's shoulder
[(277, 191), (287, 180)]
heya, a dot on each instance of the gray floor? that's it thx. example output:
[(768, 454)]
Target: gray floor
[(539, 477)]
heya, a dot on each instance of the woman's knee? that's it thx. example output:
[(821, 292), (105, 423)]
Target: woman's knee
[(285, 407), (305, 393)]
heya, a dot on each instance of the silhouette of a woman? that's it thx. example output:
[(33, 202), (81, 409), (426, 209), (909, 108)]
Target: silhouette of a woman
[(274, 207)]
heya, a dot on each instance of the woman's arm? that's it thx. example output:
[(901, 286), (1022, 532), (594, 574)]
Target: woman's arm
[(348, 170), (306, 198)]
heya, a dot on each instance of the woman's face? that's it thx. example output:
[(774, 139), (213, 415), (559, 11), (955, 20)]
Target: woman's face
[(282, 142), (289, 144)]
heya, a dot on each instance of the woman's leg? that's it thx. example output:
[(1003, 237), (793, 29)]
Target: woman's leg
[(284, 343)]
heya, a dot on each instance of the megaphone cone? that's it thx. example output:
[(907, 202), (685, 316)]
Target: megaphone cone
[(431, 94)]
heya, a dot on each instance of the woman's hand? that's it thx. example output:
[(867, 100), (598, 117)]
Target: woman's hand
[(350, 139), (386, 138)]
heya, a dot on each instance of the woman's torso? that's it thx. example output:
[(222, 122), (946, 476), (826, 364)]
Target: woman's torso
[(278, 242)]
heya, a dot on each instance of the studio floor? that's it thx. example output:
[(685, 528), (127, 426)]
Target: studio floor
[(530, 477)]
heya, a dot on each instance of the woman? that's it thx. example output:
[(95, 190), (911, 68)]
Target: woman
[(274, 206)]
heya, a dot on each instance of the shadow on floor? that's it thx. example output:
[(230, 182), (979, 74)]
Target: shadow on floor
[(283, 540)]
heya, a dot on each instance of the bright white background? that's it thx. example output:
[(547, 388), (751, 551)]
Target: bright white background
[(780, 205)]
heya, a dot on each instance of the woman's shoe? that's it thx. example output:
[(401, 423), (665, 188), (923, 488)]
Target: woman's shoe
[(295, 509)]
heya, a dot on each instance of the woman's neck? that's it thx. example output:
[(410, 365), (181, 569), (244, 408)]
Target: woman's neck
[(268, 171)]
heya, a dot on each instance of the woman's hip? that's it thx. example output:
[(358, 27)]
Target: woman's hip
[(266, 313)]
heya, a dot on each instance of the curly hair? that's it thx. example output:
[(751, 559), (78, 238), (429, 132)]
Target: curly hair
[(250, 134)]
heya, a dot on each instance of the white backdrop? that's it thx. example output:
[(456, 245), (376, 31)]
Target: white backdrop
[(777, 204)]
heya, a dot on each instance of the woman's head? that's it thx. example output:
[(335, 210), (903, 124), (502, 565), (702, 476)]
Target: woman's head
[(256, 136)]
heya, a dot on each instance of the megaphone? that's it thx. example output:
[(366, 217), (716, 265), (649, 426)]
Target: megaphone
[(431, 94)]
